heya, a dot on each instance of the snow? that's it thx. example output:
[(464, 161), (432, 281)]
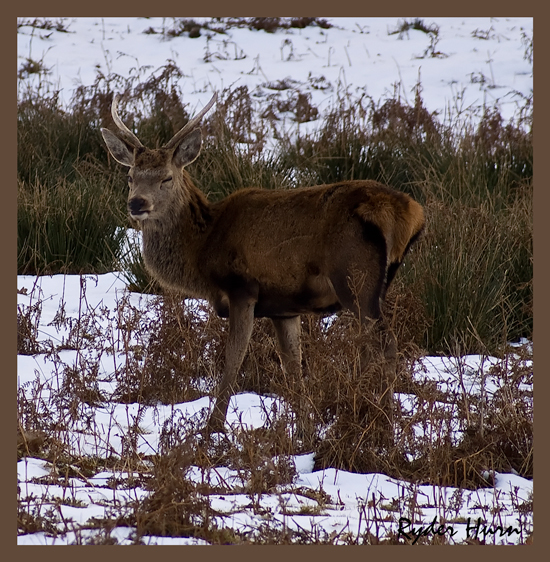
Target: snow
[(357, 55)]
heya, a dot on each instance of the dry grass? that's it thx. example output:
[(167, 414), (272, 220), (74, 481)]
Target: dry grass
[(175, 353)]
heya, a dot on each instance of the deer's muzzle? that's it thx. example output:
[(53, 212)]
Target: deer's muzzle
[(139, 208)]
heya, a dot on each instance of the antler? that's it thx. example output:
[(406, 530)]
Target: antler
[(191, 124), (118, 122)]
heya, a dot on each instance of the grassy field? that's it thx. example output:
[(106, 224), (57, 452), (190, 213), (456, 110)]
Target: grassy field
[(472, 273)]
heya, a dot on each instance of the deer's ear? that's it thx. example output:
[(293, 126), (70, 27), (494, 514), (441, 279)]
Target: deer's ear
[(188, 149), (119, 150)]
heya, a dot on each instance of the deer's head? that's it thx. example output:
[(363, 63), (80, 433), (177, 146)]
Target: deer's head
[(155, 176)]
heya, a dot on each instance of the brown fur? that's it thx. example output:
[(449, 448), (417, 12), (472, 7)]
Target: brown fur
[(270, 253)]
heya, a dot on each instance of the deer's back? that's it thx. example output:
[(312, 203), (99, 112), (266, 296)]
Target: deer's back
[(284, 245)]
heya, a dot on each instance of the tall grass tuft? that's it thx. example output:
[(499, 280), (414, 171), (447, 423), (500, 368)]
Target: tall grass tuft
[(70, 227), (474, 272), (70, 206)]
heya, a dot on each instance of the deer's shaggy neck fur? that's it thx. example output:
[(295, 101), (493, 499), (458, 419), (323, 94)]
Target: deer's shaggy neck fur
[(174, 264)]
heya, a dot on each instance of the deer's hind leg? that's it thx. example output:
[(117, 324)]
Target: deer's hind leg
[(288, 337), (360, 292), (288, 332)]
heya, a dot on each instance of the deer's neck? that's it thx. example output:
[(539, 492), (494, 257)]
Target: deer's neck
[(171, 245)]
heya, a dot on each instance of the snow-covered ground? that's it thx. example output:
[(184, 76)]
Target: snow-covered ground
[(100, 432), (474, 61), (471, 62)]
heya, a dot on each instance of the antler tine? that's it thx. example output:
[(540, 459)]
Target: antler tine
[(191, 124), (118, 122)]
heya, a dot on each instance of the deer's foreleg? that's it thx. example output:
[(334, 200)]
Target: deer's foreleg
[(241, 320)]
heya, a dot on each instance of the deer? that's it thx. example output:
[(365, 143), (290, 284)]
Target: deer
[(266, 253)]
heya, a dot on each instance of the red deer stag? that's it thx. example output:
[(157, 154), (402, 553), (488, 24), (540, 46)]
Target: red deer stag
[(265, 253)]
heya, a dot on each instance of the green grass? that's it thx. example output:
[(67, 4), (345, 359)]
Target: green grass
[(472, 272), (72, 227)]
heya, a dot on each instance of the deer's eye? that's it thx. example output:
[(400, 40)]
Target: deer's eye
[(167, 180), (130, 180)]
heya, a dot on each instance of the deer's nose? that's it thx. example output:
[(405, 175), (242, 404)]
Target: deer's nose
[(138, 206)]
